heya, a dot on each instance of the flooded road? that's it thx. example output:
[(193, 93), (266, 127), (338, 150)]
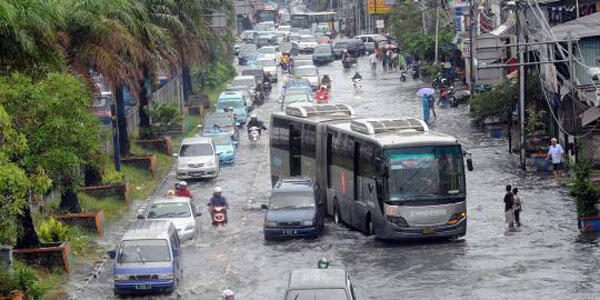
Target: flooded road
[(547, 258)]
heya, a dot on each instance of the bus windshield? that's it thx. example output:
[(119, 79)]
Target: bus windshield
[(425, 173)]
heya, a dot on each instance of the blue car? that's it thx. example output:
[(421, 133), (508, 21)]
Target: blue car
[(237, 101), (295, 210), (147, 259), (298, 84), (224, 145)]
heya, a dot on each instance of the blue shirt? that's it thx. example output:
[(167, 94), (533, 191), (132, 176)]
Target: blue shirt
[(218, 201)]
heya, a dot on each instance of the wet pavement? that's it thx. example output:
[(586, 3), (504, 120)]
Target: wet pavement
[(546, 258)]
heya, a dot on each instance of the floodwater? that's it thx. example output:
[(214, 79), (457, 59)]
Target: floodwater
[(547, 258)]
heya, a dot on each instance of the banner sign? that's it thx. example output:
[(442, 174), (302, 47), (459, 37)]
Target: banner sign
[(379, 7)]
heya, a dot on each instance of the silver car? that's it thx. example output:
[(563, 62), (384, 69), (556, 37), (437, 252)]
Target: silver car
[(179, 210), (310, 73), (197, 158)]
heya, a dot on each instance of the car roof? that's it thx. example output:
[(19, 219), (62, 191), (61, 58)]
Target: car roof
[(306, 67), (243, 77), (294, 184), (302, 279), (307, 35), (164, 199), (196, 140), (148, 229), (230, 95)]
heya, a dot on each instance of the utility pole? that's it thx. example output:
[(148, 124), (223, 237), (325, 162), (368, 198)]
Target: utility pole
[(437, 29), (472, 36), (115, 128), (521, 73)]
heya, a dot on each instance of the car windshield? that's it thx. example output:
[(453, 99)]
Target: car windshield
[(297, 84), (316, 294), (426, 173), (323, 50), (167, 210), (294, 38), (308, 39), (341, 45), (267, 50), (190, 150), (297, 97), (292, 200), (266, 63), (243, 82), (221, 140), (143, 251), (226, 103), (306, 72)]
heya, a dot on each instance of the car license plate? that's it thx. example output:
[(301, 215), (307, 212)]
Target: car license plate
[(142, 287), (197, 173), (290, 232), (428, 230)]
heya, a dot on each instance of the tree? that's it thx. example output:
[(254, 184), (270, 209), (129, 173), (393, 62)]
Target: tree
[(61, 135)]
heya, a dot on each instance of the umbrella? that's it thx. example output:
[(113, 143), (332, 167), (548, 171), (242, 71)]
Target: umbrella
[(425, 92)]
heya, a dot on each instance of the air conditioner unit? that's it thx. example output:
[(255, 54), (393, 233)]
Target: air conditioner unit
[(373, 126)]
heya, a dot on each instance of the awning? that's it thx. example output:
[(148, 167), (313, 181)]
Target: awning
[(583, 27), (590, 116)]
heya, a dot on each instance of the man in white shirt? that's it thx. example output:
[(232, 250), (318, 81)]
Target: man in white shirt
[(557, 155), (373, 61)]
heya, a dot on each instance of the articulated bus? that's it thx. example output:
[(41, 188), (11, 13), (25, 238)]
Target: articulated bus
[(389, 177)]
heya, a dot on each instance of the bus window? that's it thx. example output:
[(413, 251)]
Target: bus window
[(295, 150), (355, 160), (329, 158)]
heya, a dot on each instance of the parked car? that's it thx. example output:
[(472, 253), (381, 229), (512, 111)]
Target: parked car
[(223, 121), (178, 210), (147, 259), (323, 54), (371, 41), (225, 146), (294, 210), (269, 66), (197, 158), (319, 284), (236, 101), (307, 43), (311, 73)]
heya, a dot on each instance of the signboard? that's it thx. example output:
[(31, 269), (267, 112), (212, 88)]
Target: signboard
[(466, 48), (380, 24), (379, 7)]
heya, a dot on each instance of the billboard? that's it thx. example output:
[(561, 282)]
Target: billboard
[(379, 7)]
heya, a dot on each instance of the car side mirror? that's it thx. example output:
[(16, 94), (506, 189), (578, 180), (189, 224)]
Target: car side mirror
[(112, 254), (140, 217), (264, 206)]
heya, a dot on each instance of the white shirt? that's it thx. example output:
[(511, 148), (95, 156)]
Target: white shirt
[(556, 152), (373, 58)]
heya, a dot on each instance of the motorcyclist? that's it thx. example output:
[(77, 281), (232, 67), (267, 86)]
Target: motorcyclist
[(322, 96), (217, 199), (326, 81), (181, 190), (357, 76), (255, 122), (346, 56)]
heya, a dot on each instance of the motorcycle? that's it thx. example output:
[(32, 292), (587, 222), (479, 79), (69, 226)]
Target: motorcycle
[(416, 72), (451, 95), (259, 98), (219, 215), (357, 84), (347, 63), (403, 75), (253, 135)]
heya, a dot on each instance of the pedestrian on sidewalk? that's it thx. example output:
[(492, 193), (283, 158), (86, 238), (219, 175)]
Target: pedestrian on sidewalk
[(509, 201), (431, 103), (557, 154), (425, 102), (517, 206)]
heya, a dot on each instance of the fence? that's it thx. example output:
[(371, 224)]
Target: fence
[(170, 94)]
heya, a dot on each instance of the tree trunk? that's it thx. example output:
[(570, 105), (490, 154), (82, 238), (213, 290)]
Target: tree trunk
[(92, 175), (122, 117), (28, 237), (144, 102), (187, 81), (69, 202)]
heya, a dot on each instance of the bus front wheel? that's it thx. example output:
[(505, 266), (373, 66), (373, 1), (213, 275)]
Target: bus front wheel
[(336, 215)]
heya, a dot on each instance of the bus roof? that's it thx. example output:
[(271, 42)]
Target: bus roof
[(398, 137), (316, 113)]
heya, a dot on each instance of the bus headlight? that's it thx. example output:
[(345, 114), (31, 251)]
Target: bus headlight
[(457, 217), (400, 221), (121, 277)]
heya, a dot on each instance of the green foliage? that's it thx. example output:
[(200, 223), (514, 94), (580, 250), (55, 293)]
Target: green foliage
[(582, 188), (53, 231), (162, 118), (431, 71), (209, 77), (21, 277), (534, 122), (498, 102)]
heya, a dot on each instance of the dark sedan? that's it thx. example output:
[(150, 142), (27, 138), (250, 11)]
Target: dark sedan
[(294, 210)]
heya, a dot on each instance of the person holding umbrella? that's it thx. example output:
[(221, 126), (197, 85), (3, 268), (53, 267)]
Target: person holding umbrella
[(425, 94)]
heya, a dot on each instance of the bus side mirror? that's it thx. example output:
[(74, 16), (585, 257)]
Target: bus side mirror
[(112, 254), (469, 162)]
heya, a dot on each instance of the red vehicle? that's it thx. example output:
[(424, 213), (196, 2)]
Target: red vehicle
[(219, 215), (322, 96)]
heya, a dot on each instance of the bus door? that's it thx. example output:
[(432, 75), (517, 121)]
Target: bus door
[(295, 150), (359, 204)]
